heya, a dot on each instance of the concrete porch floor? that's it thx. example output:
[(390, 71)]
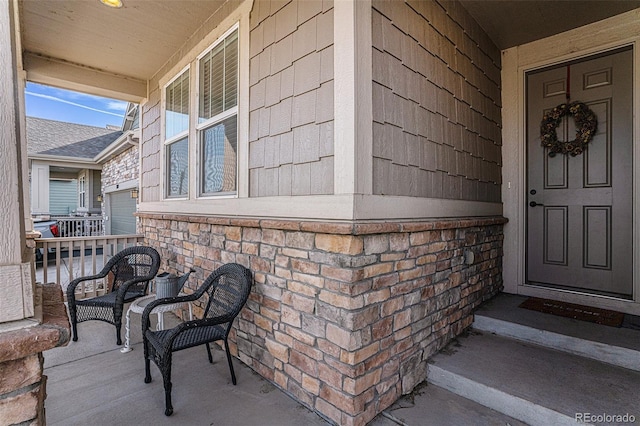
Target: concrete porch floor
[(90, 382)]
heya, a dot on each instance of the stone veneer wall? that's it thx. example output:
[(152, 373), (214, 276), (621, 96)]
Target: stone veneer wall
[(121, 168), (22, 384), (343, 316)]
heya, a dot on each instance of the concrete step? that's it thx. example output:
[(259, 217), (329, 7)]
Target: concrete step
[(431, 405), (616, 346), (536, 385)]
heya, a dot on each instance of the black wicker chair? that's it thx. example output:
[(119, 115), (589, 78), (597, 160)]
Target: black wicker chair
[(223, 294), (131, 269)]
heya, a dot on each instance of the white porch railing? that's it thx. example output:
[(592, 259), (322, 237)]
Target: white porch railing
[(77, 257), (89, 226)]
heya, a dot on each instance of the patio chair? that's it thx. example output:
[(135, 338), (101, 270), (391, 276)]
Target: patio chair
[(222, 295), (128, 274)]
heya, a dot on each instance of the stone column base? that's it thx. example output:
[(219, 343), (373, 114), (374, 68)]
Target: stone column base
[(22, 384)]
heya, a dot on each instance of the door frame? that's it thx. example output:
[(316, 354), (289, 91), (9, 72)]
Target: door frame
[(612, 33)]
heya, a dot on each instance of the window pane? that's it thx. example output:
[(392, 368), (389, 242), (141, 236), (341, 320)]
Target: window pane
[(231, 71), (219, 156), (218, 76), (177, 106), (178, 168)]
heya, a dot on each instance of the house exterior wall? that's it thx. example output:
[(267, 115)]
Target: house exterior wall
[(342, 316), (291, 99), (436, 103)]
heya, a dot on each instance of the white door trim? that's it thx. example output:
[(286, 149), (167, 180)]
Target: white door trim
[(585, 41)]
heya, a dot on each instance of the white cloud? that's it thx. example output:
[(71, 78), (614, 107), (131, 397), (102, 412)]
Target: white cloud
[(116, 106), (64, 101)]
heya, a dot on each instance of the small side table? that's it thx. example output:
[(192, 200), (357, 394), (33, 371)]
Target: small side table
[(137, 307)]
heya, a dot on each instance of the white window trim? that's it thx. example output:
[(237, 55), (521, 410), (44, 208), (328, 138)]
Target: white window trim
[(166, 142), (239, 19), (219, 117), (82, 191)]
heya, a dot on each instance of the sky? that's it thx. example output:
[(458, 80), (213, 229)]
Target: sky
[(72, 107)]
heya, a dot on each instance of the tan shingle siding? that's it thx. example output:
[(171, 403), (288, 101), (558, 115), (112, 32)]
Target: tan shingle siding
[(292, 72), (436, 85)]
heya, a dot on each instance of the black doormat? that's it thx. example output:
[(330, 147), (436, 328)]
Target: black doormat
[(571, 310)]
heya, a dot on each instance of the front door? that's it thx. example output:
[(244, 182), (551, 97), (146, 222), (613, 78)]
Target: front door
[(579, 208)]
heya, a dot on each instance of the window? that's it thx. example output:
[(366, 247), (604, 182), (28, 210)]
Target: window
[(82, 190), (217, 116), (176, 133)]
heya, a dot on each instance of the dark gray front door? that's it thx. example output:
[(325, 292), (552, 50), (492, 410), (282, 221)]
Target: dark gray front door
[(579, 233)]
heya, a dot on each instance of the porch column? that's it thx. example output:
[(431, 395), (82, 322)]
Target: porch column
[(16, 287), (27, 328)]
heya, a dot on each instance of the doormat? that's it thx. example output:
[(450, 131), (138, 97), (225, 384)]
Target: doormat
[(570, 310)]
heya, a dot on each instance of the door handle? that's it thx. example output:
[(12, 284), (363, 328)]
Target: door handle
[(534, 204)]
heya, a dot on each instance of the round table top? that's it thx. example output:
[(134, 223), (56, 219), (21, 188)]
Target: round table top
[(138, 305)]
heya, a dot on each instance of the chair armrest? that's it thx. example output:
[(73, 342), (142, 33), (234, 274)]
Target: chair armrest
[(71, 287), (124, 287), (164, 301)]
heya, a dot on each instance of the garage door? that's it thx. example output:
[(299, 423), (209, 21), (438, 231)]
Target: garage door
[(121, 215)]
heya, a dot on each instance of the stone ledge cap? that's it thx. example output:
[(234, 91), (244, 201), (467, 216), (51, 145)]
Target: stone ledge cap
[(54, 330), (338, 227)]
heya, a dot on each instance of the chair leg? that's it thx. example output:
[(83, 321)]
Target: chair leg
[(118, 336), (74, 320), (147, 362), (74, 328), (209, 354), (117, 319), (233, 374), (166, 377)]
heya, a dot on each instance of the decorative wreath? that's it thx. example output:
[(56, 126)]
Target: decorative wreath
[(586, 125)]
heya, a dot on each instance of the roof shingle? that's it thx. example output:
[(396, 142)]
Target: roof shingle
[(51, 137)]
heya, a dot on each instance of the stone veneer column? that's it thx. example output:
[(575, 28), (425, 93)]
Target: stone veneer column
[(342, 316), (22, 384)]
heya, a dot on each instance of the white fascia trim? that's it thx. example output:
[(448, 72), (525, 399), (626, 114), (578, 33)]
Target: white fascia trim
[(328, 207), (128, 138), (61, 161), (322, 207), (387, 207)]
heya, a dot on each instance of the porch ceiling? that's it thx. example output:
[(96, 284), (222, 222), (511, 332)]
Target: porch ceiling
[(510, 23), (69, 43)]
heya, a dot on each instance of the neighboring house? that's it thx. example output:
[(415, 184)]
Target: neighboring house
[(81, 170), (377, 165), (65, 179)]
